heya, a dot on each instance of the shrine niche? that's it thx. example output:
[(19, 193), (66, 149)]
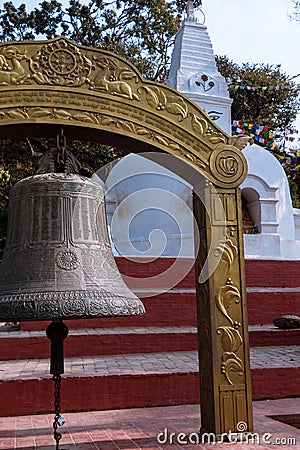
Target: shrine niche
[(97, 96), (250, 211)]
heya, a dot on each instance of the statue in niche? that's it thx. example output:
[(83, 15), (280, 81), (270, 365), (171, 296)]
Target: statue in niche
[(248, 224)]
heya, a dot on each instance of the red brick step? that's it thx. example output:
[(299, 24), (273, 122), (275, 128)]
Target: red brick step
[(272, 273), (264, 304)]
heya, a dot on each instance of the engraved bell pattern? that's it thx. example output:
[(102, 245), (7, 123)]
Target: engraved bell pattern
[(57, 262)]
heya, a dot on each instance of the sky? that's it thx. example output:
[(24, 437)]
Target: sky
[(256, 31)]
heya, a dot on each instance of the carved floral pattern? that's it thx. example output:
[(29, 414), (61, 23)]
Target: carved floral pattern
[(231, 342), (159, 100), (199, 124), (239, 141), (87, 117), (229, 252), (67, 304), (67, 259), (225, 296), (231, 363), (215, 137), (57, 113), (231, 339), (227, 163), (137, 130)]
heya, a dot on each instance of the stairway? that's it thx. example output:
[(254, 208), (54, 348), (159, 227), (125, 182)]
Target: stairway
[(151, 360)]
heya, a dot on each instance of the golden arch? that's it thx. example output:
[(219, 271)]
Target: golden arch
[(48, 84)]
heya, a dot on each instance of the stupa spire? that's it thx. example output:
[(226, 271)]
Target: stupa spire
[(194, 71)]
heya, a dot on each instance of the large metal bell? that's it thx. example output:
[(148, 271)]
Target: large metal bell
[(57, 263)]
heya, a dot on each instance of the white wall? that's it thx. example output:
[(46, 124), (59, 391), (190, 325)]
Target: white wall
[(149, 209)]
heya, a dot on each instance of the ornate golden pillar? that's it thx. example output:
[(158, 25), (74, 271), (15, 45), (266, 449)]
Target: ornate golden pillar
[(225, 385)]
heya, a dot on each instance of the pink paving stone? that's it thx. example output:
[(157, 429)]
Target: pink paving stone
[(138, 429)]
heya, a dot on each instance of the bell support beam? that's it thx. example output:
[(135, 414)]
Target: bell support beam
[(225, 385)]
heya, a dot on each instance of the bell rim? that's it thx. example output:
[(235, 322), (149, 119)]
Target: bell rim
[(57, 305)]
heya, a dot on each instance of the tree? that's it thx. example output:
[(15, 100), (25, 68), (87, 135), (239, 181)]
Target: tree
[(295, 14), (262, 94), (141, 30)]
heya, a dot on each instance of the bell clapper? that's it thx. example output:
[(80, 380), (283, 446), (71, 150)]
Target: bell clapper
[(57, 332)]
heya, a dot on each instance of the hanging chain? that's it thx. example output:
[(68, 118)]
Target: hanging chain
[(61, 144), (59, 420), (57, 436), (57, 331)]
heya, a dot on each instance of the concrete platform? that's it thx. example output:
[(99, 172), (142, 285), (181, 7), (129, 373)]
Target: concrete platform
[(146, 429)]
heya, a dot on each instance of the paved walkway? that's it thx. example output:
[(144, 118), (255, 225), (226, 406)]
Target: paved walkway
[(261, 357), (146, 429)]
